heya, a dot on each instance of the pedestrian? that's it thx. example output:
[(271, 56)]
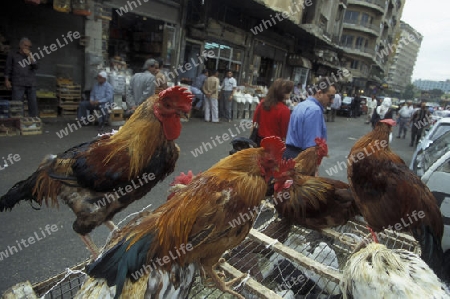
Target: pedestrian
[(228, 88), (419, 120), (356, 106), (196, 89), (272, 114), (404, 115), (142, 85), (20, 75), (307, 121), (335, 106), (101, 98), (384, 111), (160, 78), (372, 104), (211, 91)]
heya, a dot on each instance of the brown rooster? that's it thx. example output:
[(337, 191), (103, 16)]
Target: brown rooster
[(389, 195), (98, 179), (190, 231), (309, 160)]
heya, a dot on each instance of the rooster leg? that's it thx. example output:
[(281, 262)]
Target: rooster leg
[(90, 245), (220, 284), (112, 227)]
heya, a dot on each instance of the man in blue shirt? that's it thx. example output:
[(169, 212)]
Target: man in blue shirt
[(307, 121), (101, 98)]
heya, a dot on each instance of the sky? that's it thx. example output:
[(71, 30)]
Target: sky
[(432, 19)]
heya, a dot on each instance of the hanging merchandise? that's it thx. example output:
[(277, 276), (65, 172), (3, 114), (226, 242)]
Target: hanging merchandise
[(81, 7), (61, 5)]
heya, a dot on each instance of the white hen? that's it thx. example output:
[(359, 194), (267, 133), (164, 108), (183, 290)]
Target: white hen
[(378, 272)]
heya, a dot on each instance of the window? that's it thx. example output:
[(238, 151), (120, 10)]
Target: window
[(351, 16), (360, 43), (354, 64), (366, 20), (347, 40)]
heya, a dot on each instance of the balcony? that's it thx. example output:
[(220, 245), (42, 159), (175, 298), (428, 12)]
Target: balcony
[(358, 25), (378, 5)]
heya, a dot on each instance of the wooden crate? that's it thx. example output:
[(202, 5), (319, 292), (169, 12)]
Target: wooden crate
[(116, 115), (68, 91), (30, 126), (9, 127), (68, 110)]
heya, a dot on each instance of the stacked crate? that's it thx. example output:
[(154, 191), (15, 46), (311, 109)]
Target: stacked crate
[(30, 126), (16, 109), (46, 96), (69, 96), (9, 127), (4, 109)]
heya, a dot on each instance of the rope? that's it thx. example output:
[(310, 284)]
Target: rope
[(243, 281), (69, 272), (132, 214)]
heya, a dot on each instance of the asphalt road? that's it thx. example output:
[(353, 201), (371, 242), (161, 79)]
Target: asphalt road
[(56, 246)]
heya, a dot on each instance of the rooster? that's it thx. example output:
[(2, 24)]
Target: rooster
[(91, 177), (196, 223), (378, 272), (389, 195)]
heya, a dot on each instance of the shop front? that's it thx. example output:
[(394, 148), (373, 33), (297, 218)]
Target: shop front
[(268, 62), (301, 69)]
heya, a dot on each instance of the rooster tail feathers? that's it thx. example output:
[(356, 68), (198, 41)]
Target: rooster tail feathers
[(22, 190), (124, 260), (431, 247)]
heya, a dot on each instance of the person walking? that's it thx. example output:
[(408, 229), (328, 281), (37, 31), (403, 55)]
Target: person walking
[(384, 111), (372, 104), (20, 75), (419, 120), (272, 115), (228, 87), (307, 121), (211, 91), (335, 106), (101, 98), (142, 85), (196, 89), (404, 115)]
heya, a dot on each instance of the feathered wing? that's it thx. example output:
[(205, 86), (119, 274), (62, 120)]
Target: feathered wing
[(389, 195), (317, 203)]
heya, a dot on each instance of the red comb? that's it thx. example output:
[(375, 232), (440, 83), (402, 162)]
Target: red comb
[(183, 178), (388, 121), (274, 145), (177, 91), (283, 166), (323, 147)]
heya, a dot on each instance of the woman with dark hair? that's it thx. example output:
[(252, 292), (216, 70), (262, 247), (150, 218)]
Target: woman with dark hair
[(272, 115)]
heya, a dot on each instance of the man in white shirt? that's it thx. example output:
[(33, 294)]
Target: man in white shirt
[(335, 106), (404, 116), (371, 106), (228, 87)]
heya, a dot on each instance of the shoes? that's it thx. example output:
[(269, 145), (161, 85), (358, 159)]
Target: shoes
[(398, 137), (216, 122)]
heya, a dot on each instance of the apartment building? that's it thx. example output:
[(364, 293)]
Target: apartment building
[(430, 85), (406, 50)]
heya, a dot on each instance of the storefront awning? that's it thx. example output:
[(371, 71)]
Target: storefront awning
[(296, 60)]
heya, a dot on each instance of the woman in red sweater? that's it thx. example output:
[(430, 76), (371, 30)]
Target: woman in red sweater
[(272, 114)]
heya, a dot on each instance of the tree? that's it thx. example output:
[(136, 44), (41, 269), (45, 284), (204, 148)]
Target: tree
[(408, 94), (436, 93)]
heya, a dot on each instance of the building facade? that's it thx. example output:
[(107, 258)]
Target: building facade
[(430, 85), (404, 59)]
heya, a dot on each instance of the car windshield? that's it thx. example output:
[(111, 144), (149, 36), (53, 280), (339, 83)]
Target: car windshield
[(436, 150), (347, 100), (440, 130)]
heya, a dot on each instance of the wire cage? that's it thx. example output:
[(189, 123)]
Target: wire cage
[(279, 262)]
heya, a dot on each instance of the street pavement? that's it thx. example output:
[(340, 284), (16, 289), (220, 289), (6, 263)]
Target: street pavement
[(56, 246)]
